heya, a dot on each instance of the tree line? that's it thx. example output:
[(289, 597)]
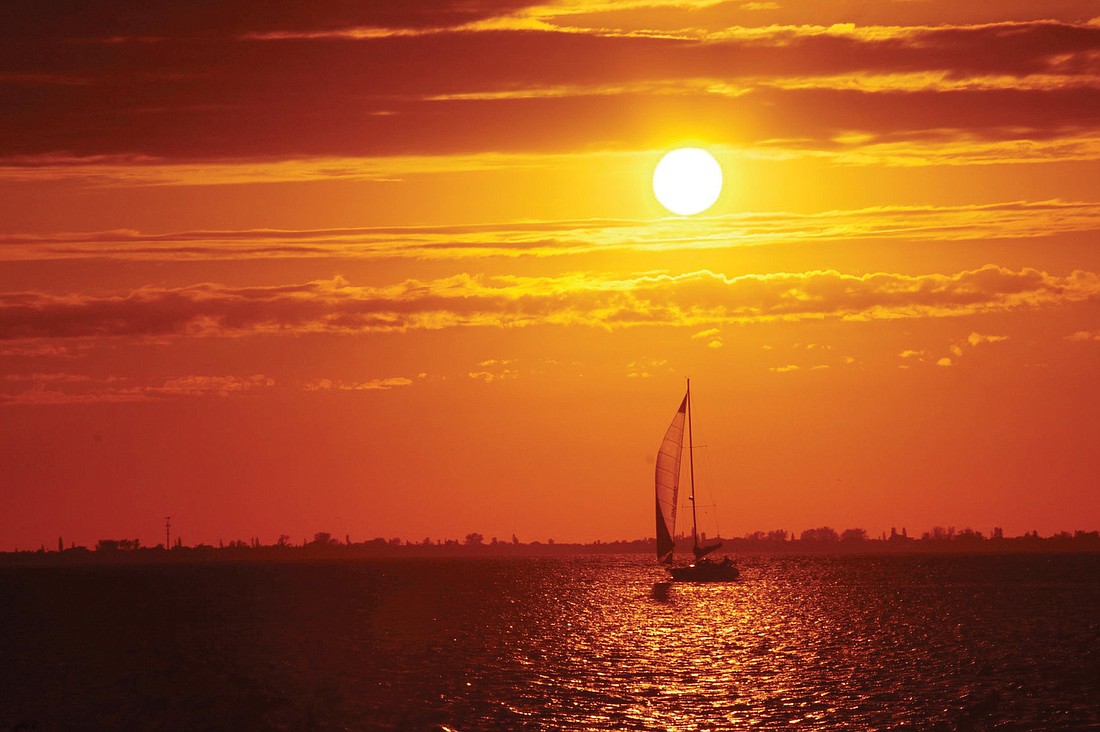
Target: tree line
[(824, 538)]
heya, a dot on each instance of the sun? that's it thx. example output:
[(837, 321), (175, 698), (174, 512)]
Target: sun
[(687, 181)]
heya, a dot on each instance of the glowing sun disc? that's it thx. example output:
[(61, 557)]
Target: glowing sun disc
[(687, 181)]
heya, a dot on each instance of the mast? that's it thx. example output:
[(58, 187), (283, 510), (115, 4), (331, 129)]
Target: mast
[(691, 474)]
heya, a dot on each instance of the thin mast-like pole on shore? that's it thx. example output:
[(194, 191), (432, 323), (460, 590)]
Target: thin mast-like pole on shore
[(691, 474)]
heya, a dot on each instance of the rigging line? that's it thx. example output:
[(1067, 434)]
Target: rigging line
[(706, 475)]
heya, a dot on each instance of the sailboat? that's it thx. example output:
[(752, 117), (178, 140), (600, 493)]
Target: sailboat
[(668, 489)]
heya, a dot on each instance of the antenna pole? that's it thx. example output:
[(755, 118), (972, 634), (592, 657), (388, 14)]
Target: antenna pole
[(691, 473), (167, 532)]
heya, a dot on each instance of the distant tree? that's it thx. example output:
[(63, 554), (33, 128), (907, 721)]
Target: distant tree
[(853, 535), (969, 534), (515, 539), (324, 538), (112, 545), (474, 539), (283, 541), (824, 534), (756, 536), (777, 535)]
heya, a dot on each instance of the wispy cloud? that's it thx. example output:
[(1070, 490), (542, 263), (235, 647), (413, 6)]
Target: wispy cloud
[(82, 389), (644, 368), (695, 299), (495, 369), (975, 339), (203, 385), (390, 382), (956, 350), (520, 78), (115, 171), (1016, 219)]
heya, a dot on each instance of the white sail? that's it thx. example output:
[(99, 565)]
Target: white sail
[(668, 483)]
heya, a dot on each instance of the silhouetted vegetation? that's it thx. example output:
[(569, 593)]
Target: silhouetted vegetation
[(323, 545)]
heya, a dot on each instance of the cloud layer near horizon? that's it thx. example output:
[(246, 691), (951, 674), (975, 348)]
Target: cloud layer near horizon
[(693, 299)]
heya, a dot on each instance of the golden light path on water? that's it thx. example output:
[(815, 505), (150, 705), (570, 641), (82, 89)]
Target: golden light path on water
[(792, 645), (647, 662), (557, 643)]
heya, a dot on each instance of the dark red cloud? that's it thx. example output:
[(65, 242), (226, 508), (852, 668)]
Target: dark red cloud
[(168, 90), (66, 20)]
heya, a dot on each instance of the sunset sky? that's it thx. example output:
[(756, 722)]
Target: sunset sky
[(396, 269)]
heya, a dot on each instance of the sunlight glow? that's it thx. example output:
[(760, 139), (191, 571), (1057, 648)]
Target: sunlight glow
[(687, 181)]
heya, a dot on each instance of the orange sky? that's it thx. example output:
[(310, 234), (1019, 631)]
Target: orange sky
[(398, 271)]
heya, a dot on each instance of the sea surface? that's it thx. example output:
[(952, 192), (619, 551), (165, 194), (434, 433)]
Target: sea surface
[(891, 642)]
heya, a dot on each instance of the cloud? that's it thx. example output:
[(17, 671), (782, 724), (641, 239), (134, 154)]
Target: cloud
[(701, 299), (977, 338), (490, 376), (42, 378), (112, 22), (187, 85), (83, 389), (784, 369), (39, 349), (957, 350), (495, 369), (1007, 220), (199, 385), (645, 368), (1084, 335), (711, 335), (369, 385)]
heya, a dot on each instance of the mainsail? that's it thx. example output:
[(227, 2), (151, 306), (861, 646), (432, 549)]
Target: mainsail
[(668, 483)]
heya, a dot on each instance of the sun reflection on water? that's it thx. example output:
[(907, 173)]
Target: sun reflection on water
[(788, 645), (890, 643)]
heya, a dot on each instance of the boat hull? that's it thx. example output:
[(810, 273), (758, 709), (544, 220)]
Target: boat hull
[(706, 572)]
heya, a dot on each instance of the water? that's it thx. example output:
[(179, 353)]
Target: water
[(891, 642)]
